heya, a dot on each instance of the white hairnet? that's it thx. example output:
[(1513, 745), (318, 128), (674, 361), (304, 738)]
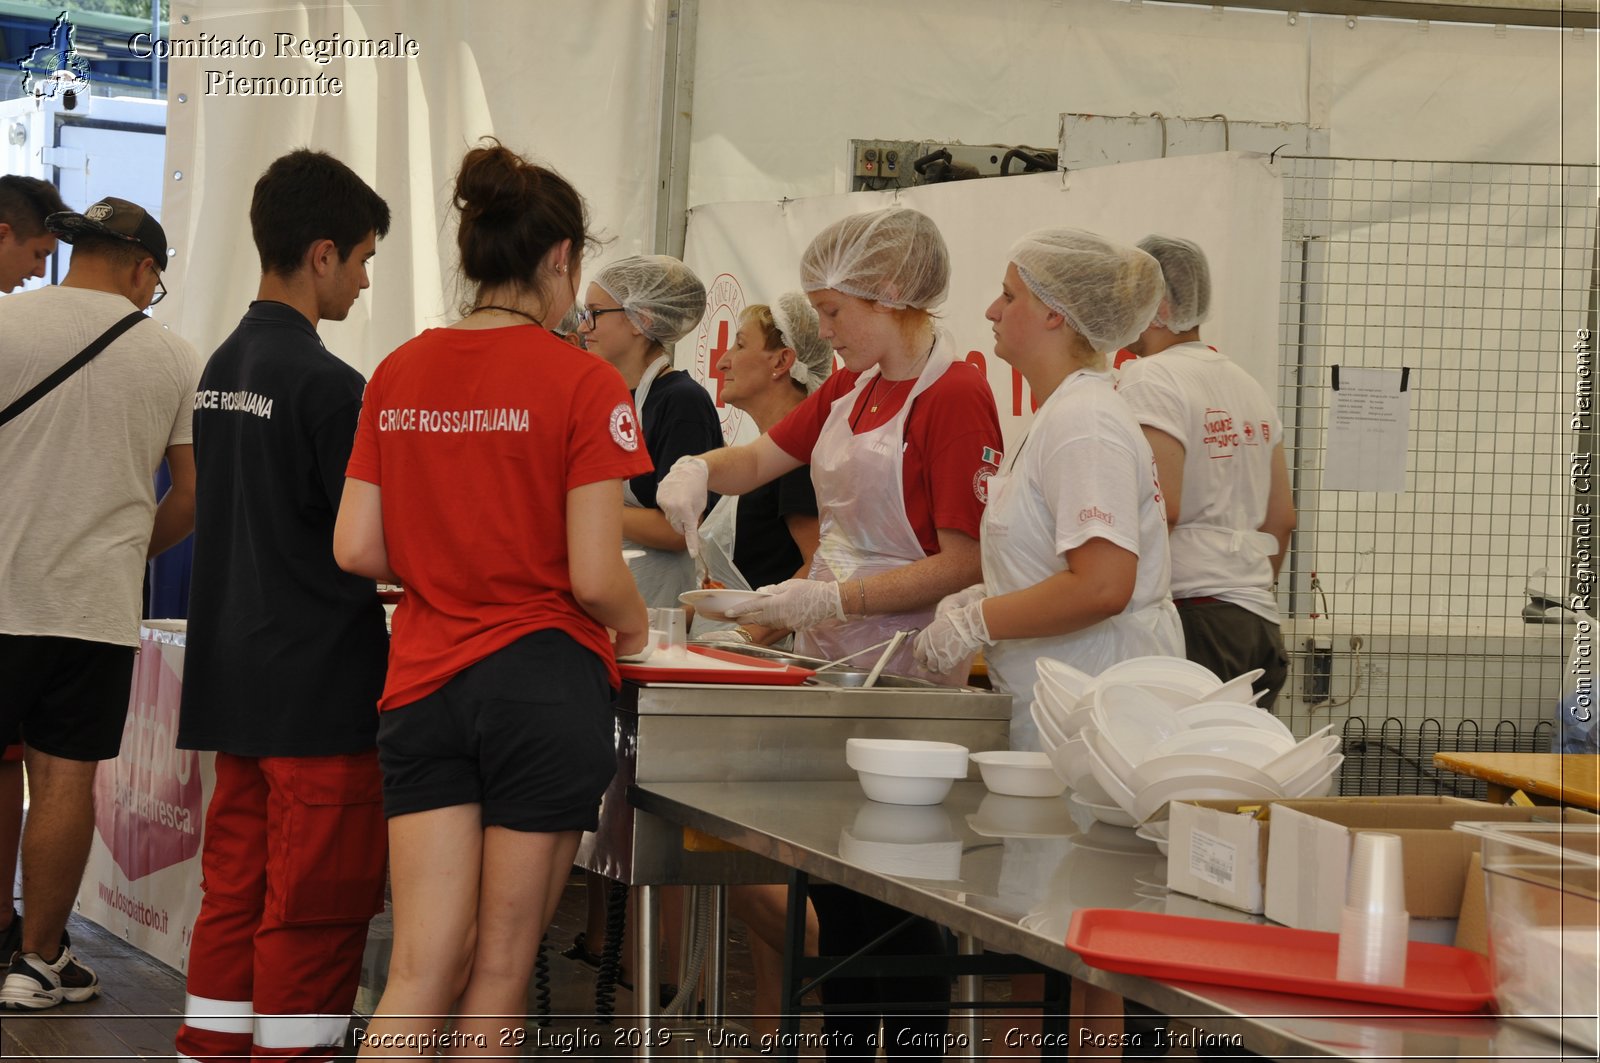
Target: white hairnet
[(1188, 279), (1108, 293), (662, 297), (895, 257), (796, 319)]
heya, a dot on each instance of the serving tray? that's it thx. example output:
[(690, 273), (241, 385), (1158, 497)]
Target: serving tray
[(1276, 958)]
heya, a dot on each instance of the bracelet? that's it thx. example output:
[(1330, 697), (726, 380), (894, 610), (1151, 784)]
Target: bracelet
[(861, 587), (744, 636)]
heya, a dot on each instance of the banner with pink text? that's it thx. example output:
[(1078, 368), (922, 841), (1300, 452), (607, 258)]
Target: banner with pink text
[(143, 877)]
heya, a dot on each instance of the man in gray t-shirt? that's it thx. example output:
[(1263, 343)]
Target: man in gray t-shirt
[(81, 517)]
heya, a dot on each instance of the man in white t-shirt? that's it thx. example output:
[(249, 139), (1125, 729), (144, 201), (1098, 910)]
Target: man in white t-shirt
[(1218, 444), (80, 517)]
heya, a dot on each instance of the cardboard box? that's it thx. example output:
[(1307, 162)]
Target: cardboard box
[(1220, 855), (1310, 853)]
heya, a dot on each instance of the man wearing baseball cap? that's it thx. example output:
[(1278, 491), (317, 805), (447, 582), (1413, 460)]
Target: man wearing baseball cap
[(81, 437)]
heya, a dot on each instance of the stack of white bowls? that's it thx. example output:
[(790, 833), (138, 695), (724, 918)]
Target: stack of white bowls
[(1151, 730)]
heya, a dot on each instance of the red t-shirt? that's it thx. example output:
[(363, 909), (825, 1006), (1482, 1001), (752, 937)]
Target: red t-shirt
[(952, 443), (475, 438)]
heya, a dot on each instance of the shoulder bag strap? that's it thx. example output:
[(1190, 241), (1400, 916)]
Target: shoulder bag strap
[(78, 361)]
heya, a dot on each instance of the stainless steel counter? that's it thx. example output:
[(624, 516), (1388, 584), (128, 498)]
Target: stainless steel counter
[(1014, 882)]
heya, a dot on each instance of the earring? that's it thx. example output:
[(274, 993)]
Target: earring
[(561, 267)]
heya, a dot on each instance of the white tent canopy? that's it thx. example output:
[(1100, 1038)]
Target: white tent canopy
[(778, 90)]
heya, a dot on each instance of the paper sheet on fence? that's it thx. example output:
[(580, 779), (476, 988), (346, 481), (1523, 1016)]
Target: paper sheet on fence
[(1368, 423)]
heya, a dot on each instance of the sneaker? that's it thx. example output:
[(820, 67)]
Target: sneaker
[(11, 939), (32, 984)]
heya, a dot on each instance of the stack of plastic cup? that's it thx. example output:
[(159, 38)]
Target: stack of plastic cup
[(1373, 928)]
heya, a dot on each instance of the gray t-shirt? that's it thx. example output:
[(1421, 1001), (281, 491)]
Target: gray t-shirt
[(77, 494)]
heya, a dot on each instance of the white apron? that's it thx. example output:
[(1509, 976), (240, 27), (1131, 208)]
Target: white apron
[(661, 575), (1013, 663), (864, 527)]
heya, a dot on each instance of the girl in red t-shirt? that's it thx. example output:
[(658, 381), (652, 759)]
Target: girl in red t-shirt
[(487, 479)]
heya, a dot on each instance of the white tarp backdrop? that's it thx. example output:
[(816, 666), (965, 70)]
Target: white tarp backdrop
[(779, 91), (574, 85), (1229, 203)]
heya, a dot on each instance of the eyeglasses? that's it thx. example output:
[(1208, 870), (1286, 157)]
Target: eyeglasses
[(160, 292), (587, 316)]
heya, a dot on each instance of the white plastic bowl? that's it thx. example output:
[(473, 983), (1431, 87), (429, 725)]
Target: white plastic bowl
[(1152, 798), (1072, 683), (1155, 831), (1240, 688), (1131, 720), (1110, 780), (905, 789), (1301, 756), (1200, 765), (1171, 670), (1071, 761), (908, 757), (1018, 774), (1255, 746), (1108, 814), (1232, 714), (1050, 733), (1317, 780)]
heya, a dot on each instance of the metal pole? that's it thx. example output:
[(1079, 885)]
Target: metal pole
[(645, 975), (970, 988), (677, 122), (717, 956), (155, 52)]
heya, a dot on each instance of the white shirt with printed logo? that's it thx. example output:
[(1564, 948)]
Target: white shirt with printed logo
[(1083, 472), (1229, 429)]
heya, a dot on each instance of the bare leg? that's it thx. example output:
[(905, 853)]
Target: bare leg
[(764, 910), (523, 875), (436, 858), (10, 832), (55, 846)]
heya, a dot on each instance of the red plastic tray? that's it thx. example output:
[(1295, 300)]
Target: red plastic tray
[(1275, 958), (753, 671)]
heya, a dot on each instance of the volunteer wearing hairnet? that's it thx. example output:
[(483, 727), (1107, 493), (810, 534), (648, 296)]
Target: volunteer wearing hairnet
[(1075, 562), (633, 312), (769, 534), (901, 443), (1218, 444)]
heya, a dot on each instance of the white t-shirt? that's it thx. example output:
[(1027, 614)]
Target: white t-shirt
[(1084, 472), (77, 467), (1229, 430)]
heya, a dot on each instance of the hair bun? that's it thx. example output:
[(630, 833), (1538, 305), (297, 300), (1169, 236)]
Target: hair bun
[(493, 181)]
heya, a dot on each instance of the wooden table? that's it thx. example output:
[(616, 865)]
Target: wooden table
[(1560, 778)]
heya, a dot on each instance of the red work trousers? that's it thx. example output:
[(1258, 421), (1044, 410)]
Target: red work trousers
[(293, 870)]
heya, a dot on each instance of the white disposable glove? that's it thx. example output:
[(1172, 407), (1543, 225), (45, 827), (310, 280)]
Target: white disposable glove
[(795, 604), (955, 634), (681, 497)]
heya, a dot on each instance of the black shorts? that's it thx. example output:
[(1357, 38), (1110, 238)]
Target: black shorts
[(65, 697), (1231, 640), (526, 733)]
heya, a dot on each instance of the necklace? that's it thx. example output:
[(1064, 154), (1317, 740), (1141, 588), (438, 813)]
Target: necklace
[(889, 393), (509, 310)]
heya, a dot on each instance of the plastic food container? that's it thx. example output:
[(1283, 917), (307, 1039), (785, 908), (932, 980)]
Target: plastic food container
[(1543, 884)]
